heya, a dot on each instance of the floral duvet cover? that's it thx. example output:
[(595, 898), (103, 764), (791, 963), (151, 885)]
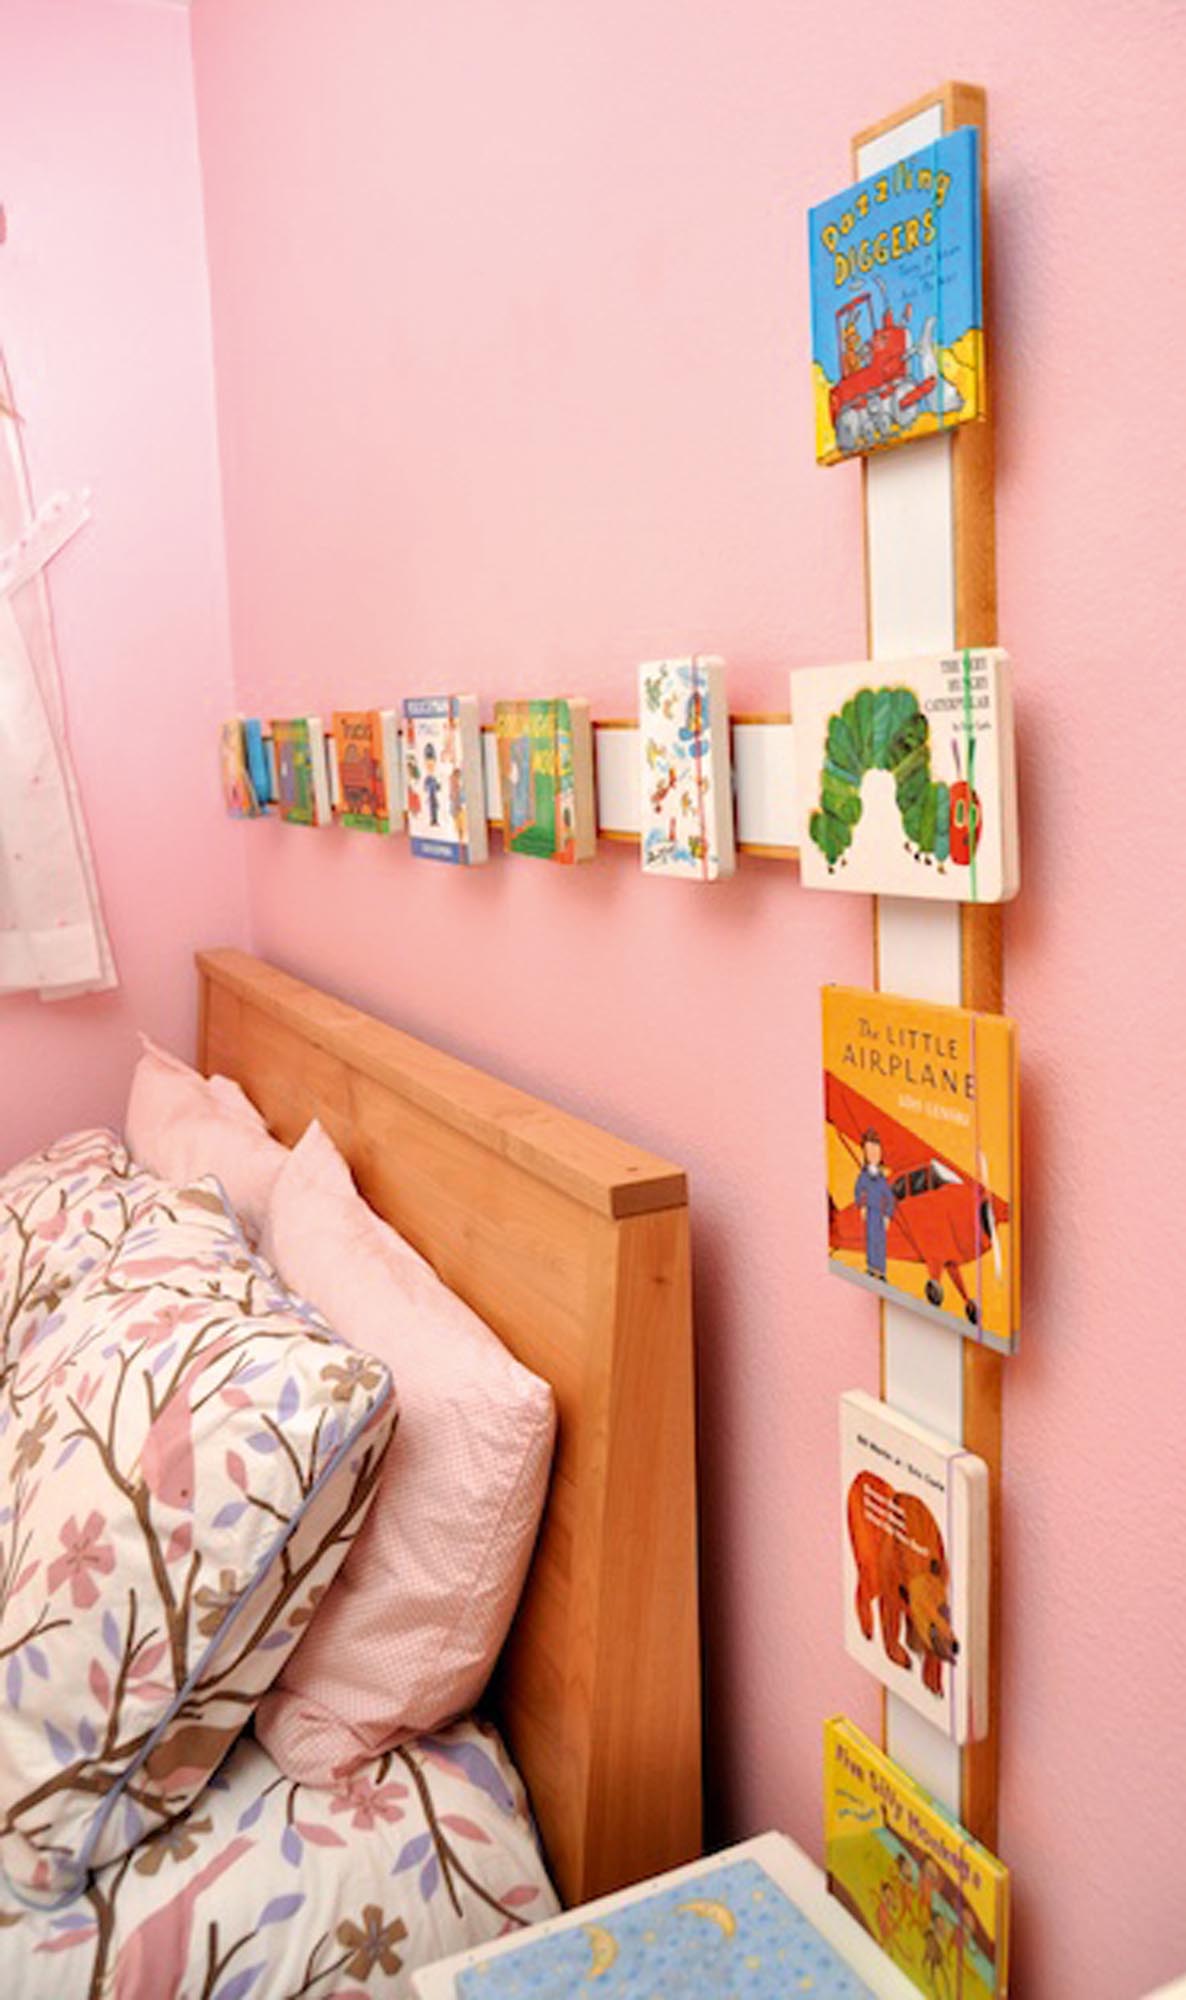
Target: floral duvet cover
[(269, 1890)]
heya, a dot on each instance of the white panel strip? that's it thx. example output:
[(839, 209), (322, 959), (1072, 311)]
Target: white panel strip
[(911, 551), (764, 768), (618, 754), (919, 949), (911, 518)]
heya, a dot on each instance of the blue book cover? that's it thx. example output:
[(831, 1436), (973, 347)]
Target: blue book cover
[(730, 1934), (257, 761), (897, 316), (445, 788)]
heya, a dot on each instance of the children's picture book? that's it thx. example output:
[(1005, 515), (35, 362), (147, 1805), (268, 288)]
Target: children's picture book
[(934, 1899), (921, 1109), (259, 763), (366, 745), (731, 1932), (444, 788), (545, 772), (686, 787), (897, 317), (916, 1564), (302, 784), (238, 792), (906, 777)]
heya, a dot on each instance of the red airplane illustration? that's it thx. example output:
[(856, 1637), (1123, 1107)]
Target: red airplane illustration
[(943, 1217)]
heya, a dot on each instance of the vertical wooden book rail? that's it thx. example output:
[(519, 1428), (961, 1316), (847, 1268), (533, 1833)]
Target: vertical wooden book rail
[(930, 576)]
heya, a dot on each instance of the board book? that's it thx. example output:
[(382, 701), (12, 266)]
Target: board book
[(731, 1933), (686, 788), (906, 777), (545, 773), (934, 1899), (302, 785), (238, 792), (259, 763), (444, 788), (921, 1132), (915, 1540), (366, 747), (897, 317)]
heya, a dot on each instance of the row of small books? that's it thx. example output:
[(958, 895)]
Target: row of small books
[(905, 775), (430, 776)]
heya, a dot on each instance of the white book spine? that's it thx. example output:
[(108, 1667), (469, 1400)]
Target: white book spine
[(474, 780), (393, 769), (320, 771), (584, 796)]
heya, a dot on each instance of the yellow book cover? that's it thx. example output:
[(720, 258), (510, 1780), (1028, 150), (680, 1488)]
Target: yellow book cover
[(934, 1900), (921, 1110)]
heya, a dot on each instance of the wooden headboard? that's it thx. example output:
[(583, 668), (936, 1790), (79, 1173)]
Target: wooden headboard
[(573, 1246)]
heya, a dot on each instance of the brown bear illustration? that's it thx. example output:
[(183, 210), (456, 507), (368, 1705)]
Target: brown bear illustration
[(902, 1568)]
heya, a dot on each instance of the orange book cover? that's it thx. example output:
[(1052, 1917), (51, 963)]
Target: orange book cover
[(921, 1109), (363, 740)]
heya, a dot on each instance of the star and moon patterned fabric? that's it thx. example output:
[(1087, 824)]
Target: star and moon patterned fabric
[(731, 1934)]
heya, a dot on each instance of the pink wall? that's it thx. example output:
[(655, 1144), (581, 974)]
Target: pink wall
[(511, 338), (105, 319)]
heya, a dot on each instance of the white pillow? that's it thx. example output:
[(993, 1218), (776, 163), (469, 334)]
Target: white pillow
[(406, 1639), (181, 1126)]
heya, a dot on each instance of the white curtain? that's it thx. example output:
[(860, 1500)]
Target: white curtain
[(52, 936)]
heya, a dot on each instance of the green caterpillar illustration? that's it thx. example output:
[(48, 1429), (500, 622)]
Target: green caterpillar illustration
[(886, 730)]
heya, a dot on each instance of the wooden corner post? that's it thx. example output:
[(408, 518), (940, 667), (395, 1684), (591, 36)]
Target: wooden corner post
[(930, 576)]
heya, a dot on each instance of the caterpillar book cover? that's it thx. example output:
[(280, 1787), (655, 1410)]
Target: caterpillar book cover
[(897, 316), (545, 769), (906, 777), (934, 1899), (916, 1568), (921, 1110)]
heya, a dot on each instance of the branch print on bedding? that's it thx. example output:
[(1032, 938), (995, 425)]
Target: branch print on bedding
[(223, 1453), (224, 1900)]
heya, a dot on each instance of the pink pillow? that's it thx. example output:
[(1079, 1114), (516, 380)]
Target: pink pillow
[(407, 1637), (181, 1125)]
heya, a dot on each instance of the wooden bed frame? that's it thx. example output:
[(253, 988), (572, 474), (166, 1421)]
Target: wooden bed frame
[(573, 1246)]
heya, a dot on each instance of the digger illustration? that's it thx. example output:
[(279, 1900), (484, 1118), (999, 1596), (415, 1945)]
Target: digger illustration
[(887, 379)]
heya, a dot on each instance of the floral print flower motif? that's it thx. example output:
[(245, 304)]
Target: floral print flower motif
[(172, 1843), (213, 1605), (372, 1943), (354, 1371), (84, 1552), (31, 1443), (367, 1803)]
